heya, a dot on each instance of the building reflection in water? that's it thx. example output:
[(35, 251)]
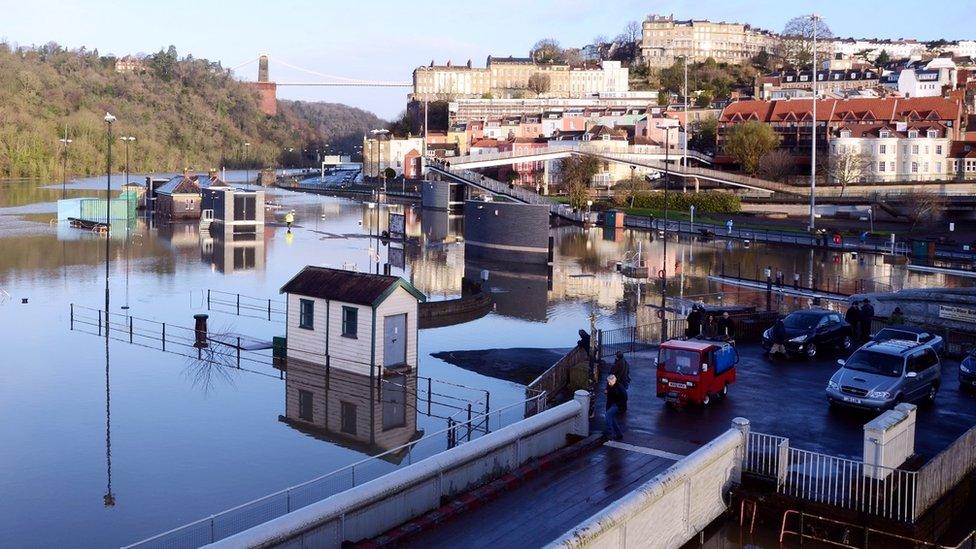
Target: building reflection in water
[(228, 251), (341, 407)]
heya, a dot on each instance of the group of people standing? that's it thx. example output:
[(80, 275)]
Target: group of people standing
[(724, 327), (859, 315)]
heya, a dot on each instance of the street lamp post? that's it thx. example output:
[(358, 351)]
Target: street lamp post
[(813, 145), (664, 268), (247, 167), (109, 119), (692, 208), (126, 139), (64, 162)]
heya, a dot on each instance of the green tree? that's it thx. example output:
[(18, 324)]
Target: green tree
[(547, 50), (577, 173), (748, 142), (882, 59)]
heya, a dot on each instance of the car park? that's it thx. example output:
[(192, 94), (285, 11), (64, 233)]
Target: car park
[(882, 374), (910, 333), (808, 331), (967, 370)]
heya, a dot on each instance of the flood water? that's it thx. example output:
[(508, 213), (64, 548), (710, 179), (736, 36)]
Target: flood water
[(170, 440)]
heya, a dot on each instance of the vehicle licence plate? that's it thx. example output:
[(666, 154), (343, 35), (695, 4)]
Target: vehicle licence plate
[(678, 385), (852, 400)]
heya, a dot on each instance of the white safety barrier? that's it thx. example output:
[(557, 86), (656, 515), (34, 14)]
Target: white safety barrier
[(671, 508), (374, 507)]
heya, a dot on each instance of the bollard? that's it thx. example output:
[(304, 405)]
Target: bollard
[(582, 426), (200, 330), (742, 425)]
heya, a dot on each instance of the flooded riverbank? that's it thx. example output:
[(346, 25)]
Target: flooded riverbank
[(176, 444)]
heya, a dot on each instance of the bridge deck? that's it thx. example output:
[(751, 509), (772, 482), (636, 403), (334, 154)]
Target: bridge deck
[(550, 504)]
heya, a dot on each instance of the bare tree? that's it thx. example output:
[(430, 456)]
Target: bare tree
[(633, 31), (798, 40), (924, 206), (777, 165), (848, 166), (539, 83), (547, 50)]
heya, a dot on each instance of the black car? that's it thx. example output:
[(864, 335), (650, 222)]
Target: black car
[(967, 371), (810, 330)]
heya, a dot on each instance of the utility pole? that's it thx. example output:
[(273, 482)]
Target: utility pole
[(247, 167), (814, 19), (64, 163), (126, 140)]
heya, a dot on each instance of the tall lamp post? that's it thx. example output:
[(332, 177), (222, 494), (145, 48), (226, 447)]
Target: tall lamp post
[(815, 20), (64, 162), (109, 119), (126, 139), (247, 167), (664, 269)]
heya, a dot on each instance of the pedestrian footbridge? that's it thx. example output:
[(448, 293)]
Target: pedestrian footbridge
[(653, 159)]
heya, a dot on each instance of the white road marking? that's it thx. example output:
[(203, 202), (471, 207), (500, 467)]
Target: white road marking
[(643, 450)]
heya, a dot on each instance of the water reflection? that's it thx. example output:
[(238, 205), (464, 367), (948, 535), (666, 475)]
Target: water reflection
[(343, 407)]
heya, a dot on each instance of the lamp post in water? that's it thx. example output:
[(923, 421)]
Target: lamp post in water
[(109, 119), (126, 139), (64, 162), (247, 167)]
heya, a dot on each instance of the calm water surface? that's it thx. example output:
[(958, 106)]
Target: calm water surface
[(187, 440)]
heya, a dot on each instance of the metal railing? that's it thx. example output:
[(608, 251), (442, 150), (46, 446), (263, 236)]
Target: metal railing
[(785, 237), (255, 512), (638, 338), (821, 478), (245, 305), (556, 377)]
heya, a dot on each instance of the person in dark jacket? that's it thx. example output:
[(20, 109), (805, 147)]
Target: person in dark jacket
[(778, 337), (853, 317), (867, 315), (621, 371), (726, 327), (694, 322), (897, 316), (616, 403)]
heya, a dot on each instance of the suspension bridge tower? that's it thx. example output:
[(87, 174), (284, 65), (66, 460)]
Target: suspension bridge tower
[(267, 90)]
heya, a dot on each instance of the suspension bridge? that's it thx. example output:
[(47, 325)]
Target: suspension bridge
[(268, 89)]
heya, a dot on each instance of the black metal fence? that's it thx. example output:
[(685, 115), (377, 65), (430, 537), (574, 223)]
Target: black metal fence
[(825, 240)]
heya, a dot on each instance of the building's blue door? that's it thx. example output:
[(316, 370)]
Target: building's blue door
[(395, 340)]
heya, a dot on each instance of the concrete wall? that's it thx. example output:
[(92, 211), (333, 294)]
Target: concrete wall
[(376, 506), (506, 232), (435, 194), (928, 306), (672, 507)]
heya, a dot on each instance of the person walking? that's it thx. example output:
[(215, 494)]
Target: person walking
[(621, 371), (778, 337), (867, 315), (853, 317), (616, 402), (289, 219), (726, 327), (728, 225), (694, 322)]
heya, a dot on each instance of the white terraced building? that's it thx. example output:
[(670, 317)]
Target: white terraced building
[(891, 153)]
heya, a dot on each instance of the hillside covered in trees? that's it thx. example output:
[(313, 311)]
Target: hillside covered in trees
[(185, 113)]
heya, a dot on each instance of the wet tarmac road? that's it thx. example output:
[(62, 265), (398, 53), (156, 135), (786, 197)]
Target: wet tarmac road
[(786, 398)]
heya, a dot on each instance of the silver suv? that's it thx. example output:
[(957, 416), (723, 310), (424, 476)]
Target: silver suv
[(882, 374)]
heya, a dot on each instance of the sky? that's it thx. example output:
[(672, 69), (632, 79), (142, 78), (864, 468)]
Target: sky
[(386, 39)]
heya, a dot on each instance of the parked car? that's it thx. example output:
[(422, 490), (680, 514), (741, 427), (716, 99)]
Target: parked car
[(967, 370), (910, 333), (810, 330), (882, 374)]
